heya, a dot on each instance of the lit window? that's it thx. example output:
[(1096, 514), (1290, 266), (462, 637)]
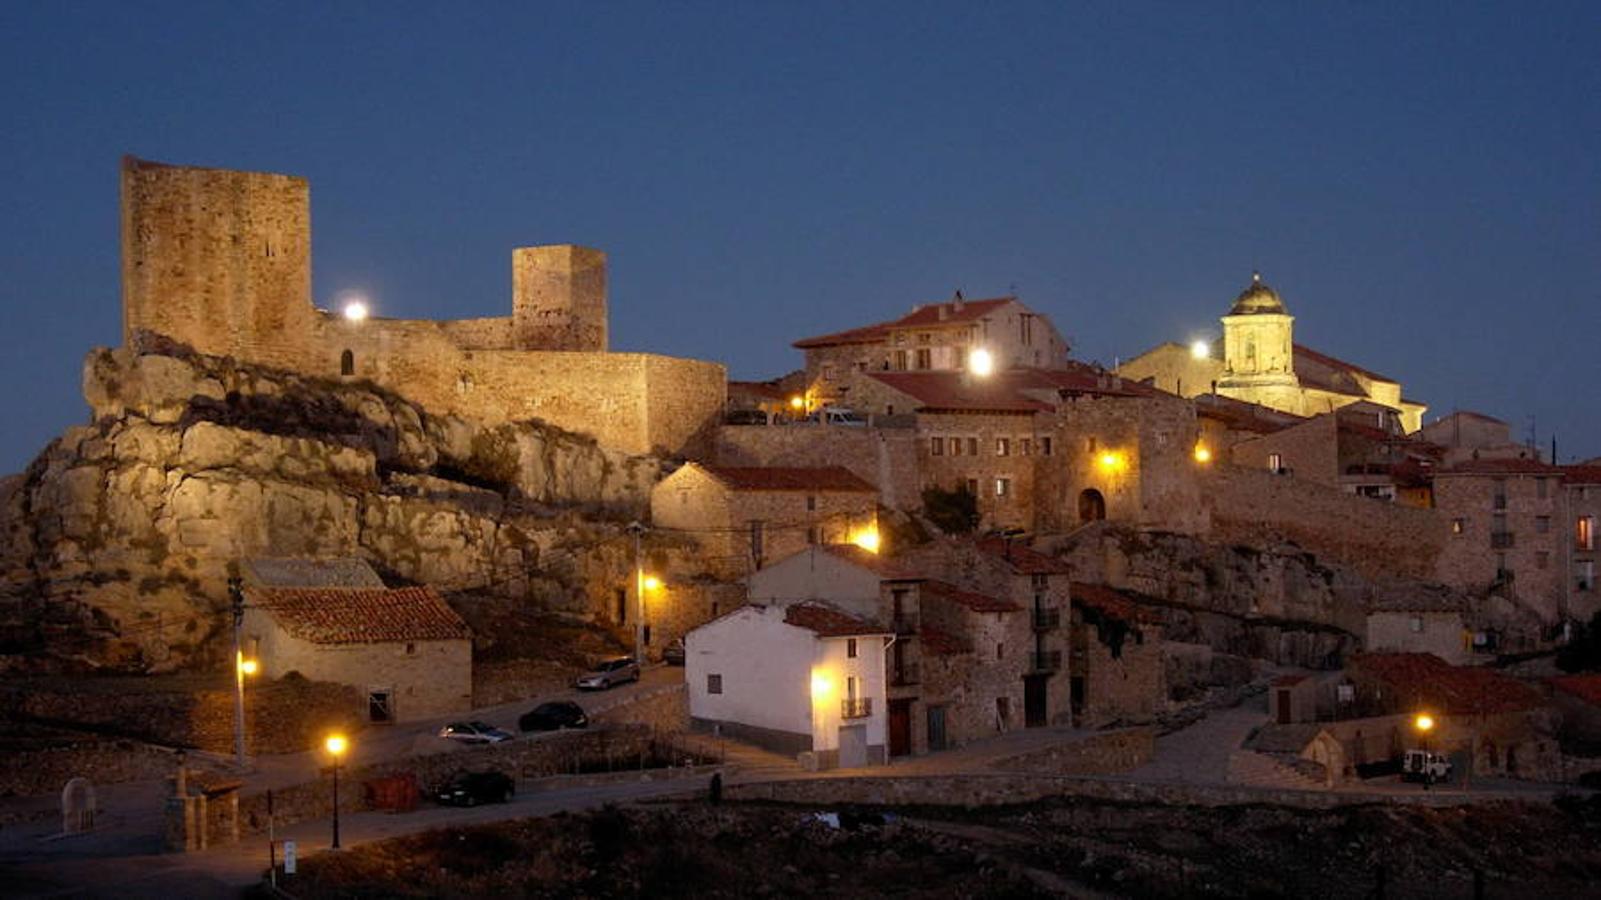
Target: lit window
[(1003, 487), (936, 446), (1584, 533), (1275, 462), (714, 684), (1003, 447), (1458, 526)]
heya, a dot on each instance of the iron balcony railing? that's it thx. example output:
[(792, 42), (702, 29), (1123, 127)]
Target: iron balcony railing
[(904, 674), (904, 624), (1050, 661), (1047, 618), (858, 708)]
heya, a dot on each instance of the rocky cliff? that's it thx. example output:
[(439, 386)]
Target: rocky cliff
[(117, 543)]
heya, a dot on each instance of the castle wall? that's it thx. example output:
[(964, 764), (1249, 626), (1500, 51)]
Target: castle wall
[(559, 298), (479, 334), (1378, 539), (217, 259), (1151, 481)]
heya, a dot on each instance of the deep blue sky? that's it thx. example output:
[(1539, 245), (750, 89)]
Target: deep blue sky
[(1423, 185)]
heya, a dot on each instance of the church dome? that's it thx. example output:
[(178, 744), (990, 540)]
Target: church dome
[(1258, 299)]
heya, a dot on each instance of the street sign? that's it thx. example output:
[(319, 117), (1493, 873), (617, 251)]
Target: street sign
[(289, 857)]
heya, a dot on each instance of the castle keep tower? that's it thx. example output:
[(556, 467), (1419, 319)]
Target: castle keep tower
[(1258, 359), (217, 259), (558, 298)]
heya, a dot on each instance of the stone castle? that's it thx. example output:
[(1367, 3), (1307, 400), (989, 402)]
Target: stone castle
[(220, 261)]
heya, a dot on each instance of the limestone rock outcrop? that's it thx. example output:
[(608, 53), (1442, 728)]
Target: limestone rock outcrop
[(117, 543)]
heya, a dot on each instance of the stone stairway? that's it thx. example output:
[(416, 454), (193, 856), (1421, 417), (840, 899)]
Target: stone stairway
[(1252, 769)]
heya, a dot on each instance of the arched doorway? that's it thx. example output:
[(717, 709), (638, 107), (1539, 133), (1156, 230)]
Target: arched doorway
[(1091, 505), (347, 363)]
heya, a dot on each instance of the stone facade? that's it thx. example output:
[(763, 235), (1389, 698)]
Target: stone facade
[(1507, 531), (1440, 632), (220, 261)]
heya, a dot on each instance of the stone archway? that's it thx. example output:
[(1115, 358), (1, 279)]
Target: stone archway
[(1091, 505), (77, 806)]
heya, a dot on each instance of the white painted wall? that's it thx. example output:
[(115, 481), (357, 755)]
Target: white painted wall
[(816, 574), (832, 663)]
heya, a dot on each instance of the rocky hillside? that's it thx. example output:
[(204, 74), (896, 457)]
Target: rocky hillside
[(117, 543)]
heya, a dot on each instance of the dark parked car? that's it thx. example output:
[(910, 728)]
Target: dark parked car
[(609, 674), (673, 654), (746, 417), (473, 788), (554, 715)]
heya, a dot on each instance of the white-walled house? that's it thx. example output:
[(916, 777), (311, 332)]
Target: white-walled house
[(806, 678)]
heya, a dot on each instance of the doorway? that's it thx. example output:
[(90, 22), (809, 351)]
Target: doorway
[(1076, 696), (853, 746), (1284, 706), (1034, 700), (900, 727), (936, 728), (1091, 505), (380, 706)]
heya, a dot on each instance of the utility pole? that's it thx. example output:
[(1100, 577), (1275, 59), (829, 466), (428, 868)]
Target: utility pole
[(637, 529), (236, 593)]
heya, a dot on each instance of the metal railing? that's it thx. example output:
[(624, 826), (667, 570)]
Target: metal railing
[(1049, 661), (1047, 618), (859, 708)]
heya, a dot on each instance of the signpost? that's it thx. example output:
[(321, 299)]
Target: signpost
[(289, 857)]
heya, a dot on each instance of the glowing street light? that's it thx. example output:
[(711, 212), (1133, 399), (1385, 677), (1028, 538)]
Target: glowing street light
[(356, 311), (336, 745), (1202, 454), (821, 685), (981, 363), (866, 538), (248, 667), (1111, 461), (1200, 349), (1424, 723), (652, 583), (797, 402)]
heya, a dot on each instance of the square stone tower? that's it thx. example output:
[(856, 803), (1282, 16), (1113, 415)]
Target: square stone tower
[(559, 298), (217, 259)]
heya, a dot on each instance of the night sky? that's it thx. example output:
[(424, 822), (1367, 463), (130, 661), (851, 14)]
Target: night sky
[(1422, 185)]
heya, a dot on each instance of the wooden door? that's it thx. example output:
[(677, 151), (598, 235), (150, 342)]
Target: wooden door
[(900, 727)]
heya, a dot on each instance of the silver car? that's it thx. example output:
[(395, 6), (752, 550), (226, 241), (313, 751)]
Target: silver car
[(473, 733), (608, 674)]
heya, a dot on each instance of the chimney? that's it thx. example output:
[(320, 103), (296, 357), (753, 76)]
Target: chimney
[(956, 303)]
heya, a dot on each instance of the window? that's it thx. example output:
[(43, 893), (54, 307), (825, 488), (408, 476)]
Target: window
[(811, 535), (1542, 524), (1024, 446), (1040, 582), (1003, 446), (972, 486), (1045, 446), (1416, 624), (900, 360), (758, 537), (925, 338), (347, 363), (850, 648), (1584, 575), (714, 684), (1584, 533), (1459, 526), (961, 357), (645, 631), (1500, 493), (828, 372), (1540, 488), (1542, 559), (936, 446), (972, 446), (1003, 487), (411, 649), (925, 358), (1089, 445), (956, 446), (1275, 462), (1000, 651), (811, 502), (853, 687)]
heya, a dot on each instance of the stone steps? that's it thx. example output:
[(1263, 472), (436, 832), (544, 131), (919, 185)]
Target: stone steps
[(1247, 767)]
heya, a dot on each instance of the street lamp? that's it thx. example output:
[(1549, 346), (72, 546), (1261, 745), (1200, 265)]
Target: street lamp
[(1424, 723), (981, 363), (336, 746)]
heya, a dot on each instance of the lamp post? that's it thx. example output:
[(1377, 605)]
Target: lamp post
[(637, 529), (1424, 723), (241, 668), (336, 745)]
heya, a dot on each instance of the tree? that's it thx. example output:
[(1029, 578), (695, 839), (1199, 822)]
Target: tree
[(1583, 652), (955, 512)]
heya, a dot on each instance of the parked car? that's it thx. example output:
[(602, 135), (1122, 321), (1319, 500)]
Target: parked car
[(1425, 766), (609, 674), (673, 654), (473, 788), (473, 733), (554, 715), (746, 417), (833, 415)]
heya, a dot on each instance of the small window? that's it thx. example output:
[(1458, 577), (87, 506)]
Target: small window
[(850, 648), (1584, 533), (936, 446), (1003, 446), (1000, 651), (411, 649), (1089, 445), (811, 502), (1542, 524), (645, 632), (956, 446), (1003, 487), (972, 446), (347, 363), (1024, 446), (972, 486), (811, 535), (1416, 624), (1045, 446), (714, 684), (1459, 526), (1275, 462), (925, 358)]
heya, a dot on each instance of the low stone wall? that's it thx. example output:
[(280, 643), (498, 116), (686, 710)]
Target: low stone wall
[(664, 710), (1002, 790), (283, 716), (1103, 754), (33, 773)]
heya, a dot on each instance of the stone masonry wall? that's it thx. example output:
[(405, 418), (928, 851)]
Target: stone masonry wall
[(883, 457), (1101, 754)]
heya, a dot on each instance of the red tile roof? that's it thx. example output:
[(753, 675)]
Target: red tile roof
[(360, 615), (829, 621), (941, 643), (971, 599), (1239, 415), (789, 478), (1112, 602), (926, 316), (1585, 687), (884, 567), (1581, 474), (1307, 353), (1022, 559), (1507, 466), (1429, 681)]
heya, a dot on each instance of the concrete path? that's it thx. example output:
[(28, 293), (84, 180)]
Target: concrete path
[(1200, 754)]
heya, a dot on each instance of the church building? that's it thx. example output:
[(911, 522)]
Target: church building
[(1260, 363)]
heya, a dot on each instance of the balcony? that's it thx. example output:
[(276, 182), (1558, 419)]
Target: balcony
[(1050, 661), (1047, 618), (859, 708), (905, 625), (905, 674), (1501, 540)]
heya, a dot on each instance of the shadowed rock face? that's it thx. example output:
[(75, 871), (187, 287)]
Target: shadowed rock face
[(119, 539)]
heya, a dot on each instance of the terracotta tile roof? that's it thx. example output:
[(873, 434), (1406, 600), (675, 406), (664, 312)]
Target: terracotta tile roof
[(1409, 598), (1468, 414), (356, 615), (1238, 415), (789, 478), (941, 643), (885, 567), (1585, 687), (1428, 681), (971, 599), (1581, 474), (925, 316), (1112, 602), (1508, 466), (1304, 352), (829, 621), (1023, 559)]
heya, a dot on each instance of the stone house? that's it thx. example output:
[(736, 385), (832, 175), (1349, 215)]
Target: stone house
[(1465, 435), (404, 649), (1507, 531), (1118, 665), (1582, 492), (1225, 422), (1423, 621), (1292, 698), (742, 517), (807, 679), (935, 337), (1358, 448)]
